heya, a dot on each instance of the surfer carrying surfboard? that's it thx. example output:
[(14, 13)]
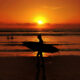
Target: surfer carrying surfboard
[(40, 47), (40, 63)]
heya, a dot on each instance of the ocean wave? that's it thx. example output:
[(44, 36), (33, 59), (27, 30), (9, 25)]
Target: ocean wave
[(28, 50)]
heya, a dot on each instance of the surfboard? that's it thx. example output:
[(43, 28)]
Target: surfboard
[(36, 46)]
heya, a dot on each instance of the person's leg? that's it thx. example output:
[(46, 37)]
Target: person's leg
[(37, 71), (38, 54), (43, 67), (37, 66), (41, 56), (43, 72)]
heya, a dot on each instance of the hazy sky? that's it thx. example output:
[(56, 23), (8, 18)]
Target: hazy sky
[(53, 11)]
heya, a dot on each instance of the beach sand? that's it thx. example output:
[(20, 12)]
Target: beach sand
[(24, 68)]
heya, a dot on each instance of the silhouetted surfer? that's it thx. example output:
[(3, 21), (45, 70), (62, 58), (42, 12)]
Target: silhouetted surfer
[(40, 63), (40, 43), (40, 47)]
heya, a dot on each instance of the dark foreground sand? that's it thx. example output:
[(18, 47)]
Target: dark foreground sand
[(24, 68)]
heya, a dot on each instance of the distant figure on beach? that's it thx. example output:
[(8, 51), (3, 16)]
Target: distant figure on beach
[(12, 37)]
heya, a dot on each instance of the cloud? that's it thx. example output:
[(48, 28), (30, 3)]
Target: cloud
[(52, 8)]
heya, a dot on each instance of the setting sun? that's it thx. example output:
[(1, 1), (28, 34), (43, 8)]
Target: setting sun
[(40, 20)]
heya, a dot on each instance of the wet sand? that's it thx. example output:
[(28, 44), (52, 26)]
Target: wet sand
[(24, 68)]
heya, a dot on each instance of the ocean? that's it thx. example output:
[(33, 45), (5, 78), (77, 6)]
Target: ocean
[(68, 43)]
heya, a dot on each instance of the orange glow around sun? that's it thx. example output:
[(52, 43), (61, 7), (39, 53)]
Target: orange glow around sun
[(40, 20)]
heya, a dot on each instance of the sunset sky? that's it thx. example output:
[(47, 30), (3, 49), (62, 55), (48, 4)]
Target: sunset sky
[(49, 11)]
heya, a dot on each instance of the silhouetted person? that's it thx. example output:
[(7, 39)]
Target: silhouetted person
[(10, 37), (40, 60), (40, 44), (7, 37), (40, 39)]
